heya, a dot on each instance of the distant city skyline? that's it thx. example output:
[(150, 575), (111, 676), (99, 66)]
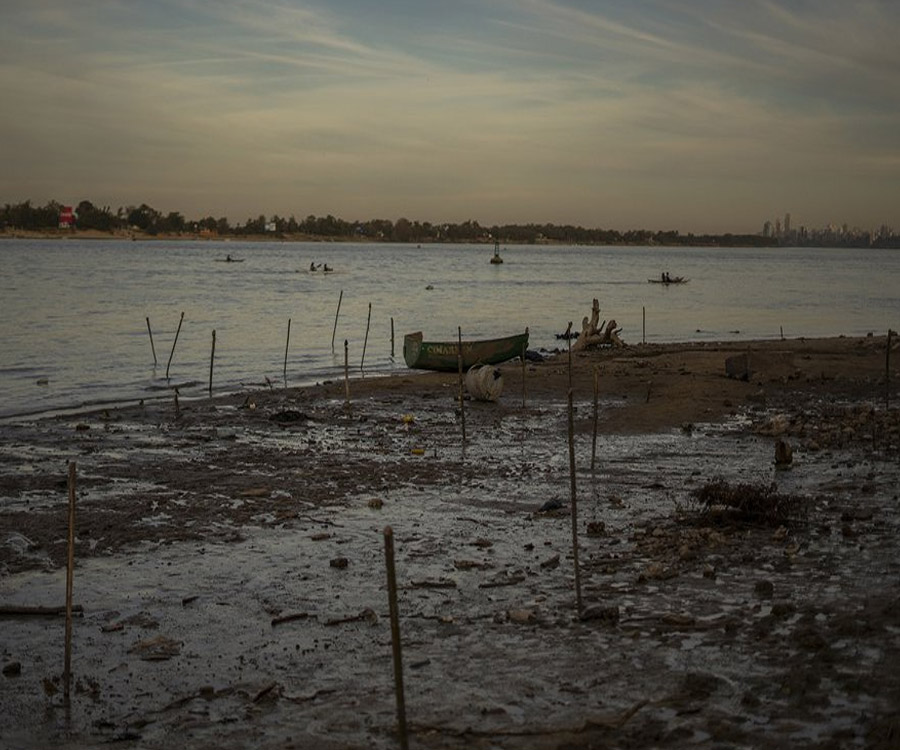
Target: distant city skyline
[(700, 116)]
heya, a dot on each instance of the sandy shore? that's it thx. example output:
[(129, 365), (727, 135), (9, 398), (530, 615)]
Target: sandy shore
[(201, 525)]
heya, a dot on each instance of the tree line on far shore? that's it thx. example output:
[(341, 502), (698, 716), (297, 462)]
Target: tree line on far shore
[(147, 220)]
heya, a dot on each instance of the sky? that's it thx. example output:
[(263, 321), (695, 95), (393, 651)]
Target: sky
[(688, 115)]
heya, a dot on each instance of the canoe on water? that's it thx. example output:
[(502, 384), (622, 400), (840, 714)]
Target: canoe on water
[(442, 355), (671, 280)]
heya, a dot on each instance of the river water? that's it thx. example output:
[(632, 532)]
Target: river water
[(74, 314)]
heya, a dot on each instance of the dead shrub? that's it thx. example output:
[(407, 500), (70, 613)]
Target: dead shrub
[(758, 504)]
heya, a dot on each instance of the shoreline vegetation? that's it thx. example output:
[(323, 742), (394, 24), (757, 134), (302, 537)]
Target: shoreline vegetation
[(636, 238), (640, 239), (86, 221)]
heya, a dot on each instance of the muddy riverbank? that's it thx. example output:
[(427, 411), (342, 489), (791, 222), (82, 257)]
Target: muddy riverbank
[(231, 560)]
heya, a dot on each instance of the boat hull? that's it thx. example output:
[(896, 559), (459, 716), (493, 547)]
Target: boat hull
[(443, 355)]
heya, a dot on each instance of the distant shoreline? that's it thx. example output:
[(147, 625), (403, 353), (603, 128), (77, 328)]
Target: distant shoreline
[(138, 236), (734, 241)]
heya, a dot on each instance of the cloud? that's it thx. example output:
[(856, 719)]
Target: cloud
[(519, 110)]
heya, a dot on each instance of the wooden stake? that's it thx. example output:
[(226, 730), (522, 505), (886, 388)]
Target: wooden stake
[(212, 357), (172, 353), (346, 374), (152, 348), (887, 372), (366, 339), (596, 410), (781, 328), (395, 635), (70, 577), (644, 325), (392, 337), (338, 312), (287, 343), (462, 405), (569, 342), (574, 504), (524, 351)]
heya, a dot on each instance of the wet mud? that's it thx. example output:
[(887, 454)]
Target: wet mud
[(231, 563)]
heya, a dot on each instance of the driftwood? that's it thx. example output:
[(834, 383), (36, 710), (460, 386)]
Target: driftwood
[(596, 334), (17, 611)]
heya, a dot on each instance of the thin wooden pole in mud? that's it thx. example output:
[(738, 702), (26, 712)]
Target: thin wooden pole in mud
[(392, 337), (887, 371), (574, 504), (287, 343), (152, 348), (366, 339), (524, 350), (172, 353), (596, 410), (70, 577), (643, 325), (338, 312), (462, 403), (569, 342), (395, 635), (212, 357), (781, 329), (346, 374)]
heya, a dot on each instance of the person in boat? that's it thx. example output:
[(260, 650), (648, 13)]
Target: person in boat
[(327, 268), (228, 258), (666, 277), (312, 266)]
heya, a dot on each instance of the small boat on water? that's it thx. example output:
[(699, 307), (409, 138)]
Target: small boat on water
[(442, 355), (229, 259), (666, 280)]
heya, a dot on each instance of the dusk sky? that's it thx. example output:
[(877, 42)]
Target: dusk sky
[(695, 115)]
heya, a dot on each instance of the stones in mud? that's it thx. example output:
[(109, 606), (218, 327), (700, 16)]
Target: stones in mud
[(339, 562), (551, 563), (521, 616), (656, 571), (551, 505), (471, 565), (288, 416), (607, 614), (738, 367), (376, 503), (13, 669), (158, 648), (775, 427), (764, 589), (784, 454), (596, 528)]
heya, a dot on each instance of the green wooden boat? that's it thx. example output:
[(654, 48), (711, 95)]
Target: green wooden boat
[(442, 355)]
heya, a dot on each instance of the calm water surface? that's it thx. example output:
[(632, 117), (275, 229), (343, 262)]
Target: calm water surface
[(73, 314)]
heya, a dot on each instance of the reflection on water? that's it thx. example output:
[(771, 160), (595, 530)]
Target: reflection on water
[(74, 313)]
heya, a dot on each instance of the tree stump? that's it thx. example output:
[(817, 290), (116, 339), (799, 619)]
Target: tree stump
[(595, 334)]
